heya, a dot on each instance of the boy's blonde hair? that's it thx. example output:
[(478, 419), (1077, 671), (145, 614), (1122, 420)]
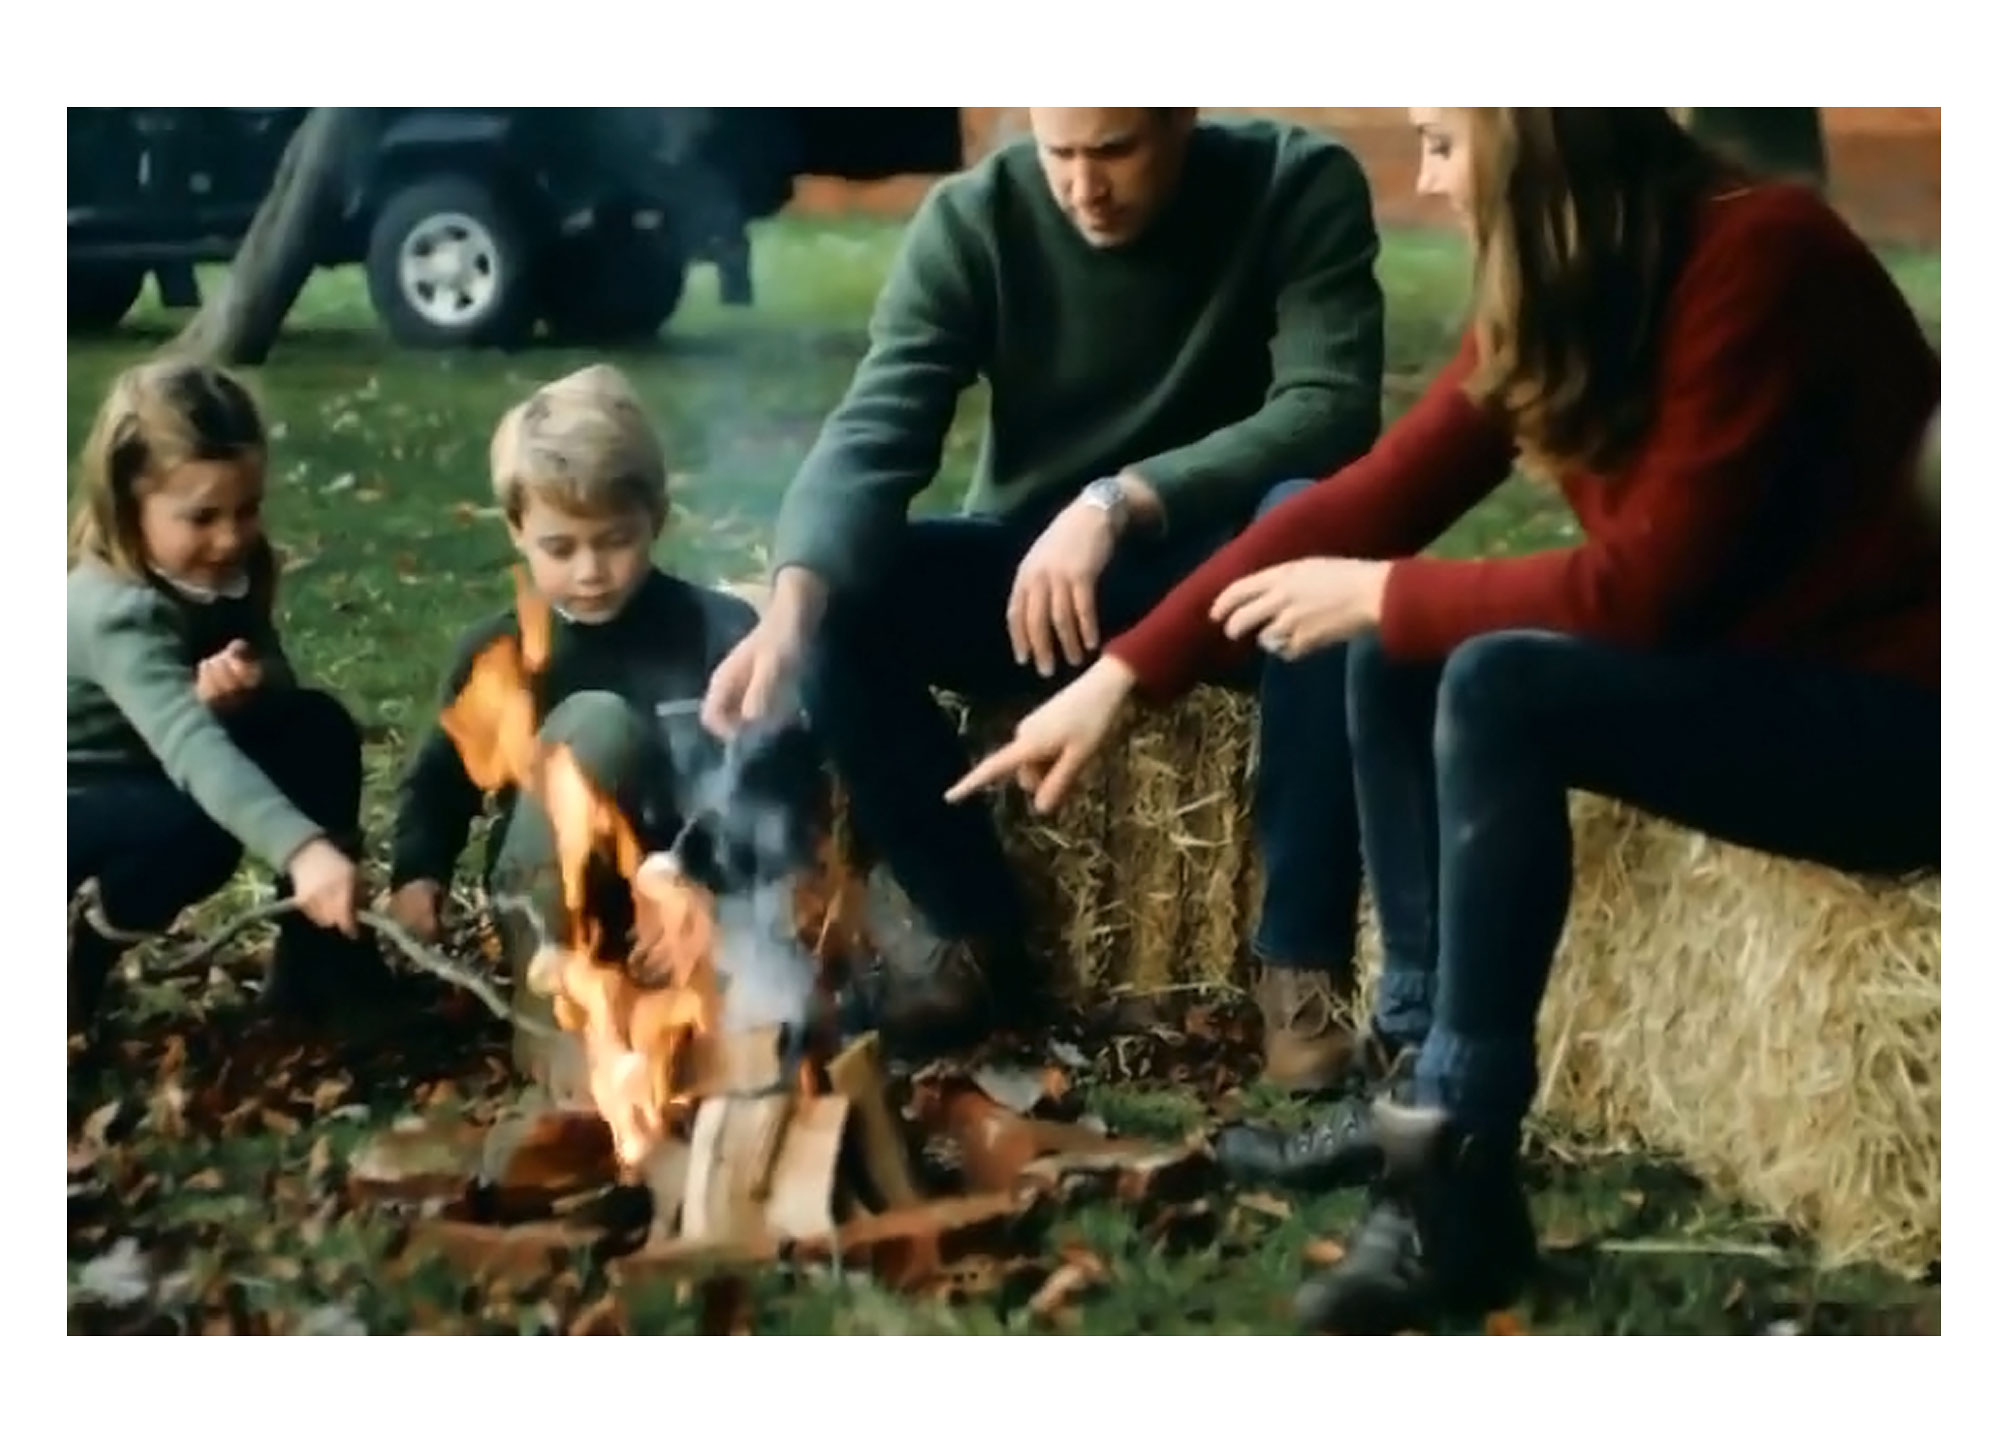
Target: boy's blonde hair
[(158, 415), (583, 444)]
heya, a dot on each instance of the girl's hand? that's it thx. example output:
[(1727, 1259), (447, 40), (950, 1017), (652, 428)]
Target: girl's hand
[(1300, 607), (327, 884), (229, 676), (1054, 741), (416, 906)]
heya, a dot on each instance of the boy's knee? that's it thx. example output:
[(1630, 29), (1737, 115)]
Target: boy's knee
[(606, 734)]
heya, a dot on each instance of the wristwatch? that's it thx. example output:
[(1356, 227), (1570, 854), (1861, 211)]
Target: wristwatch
[(1108, 497)]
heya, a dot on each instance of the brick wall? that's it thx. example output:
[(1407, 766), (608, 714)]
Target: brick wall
[(1884, 162)]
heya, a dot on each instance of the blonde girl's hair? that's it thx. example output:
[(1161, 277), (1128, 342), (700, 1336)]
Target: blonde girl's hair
[(158, 415), (584, 444)]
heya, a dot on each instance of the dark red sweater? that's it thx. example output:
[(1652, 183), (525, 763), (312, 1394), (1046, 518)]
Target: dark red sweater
[(1772, 507)]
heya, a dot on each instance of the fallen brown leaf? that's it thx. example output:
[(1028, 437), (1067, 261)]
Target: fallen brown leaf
[(414, 1161), (1505, 1324), (1074, 1276), (166, 1110), (207, 1181), (1324, 1252), (327, 1094), (96, 1125), (1267, 1204)]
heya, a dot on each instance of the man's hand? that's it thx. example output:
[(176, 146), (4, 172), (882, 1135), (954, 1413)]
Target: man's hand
[(1299, 607), (232, 674), (416, 906), (762, 667), (1053, 607)]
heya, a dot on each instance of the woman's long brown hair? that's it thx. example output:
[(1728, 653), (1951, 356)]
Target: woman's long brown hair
[(1581, 221)]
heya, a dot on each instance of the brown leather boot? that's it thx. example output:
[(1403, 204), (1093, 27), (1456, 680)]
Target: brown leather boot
[(1309, 1032), (926, 993)]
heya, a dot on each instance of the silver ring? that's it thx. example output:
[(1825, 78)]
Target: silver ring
[(1273, 644)]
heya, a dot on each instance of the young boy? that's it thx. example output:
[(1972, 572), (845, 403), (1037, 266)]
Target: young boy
[(580, 475)]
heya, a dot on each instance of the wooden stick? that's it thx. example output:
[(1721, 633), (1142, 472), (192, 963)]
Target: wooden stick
[(1688, 1247), (417, 954)]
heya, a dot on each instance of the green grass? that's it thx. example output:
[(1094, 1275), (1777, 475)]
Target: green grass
[(227, 1176)]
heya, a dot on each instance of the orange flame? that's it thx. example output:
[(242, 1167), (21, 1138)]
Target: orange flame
[(633, 1034)]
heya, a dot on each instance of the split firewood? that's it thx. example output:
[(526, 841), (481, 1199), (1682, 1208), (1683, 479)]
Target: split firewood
[(416, 1162), (995, 1144), (857, 1076)]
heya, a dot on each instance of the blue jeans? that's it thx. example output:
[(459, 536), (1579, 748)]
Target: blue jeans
[(1463, 773), (937, 618), (1304, 813)]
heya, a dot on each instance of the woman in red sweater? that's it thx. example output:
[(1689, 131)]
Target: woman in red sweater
[(1732, 393)]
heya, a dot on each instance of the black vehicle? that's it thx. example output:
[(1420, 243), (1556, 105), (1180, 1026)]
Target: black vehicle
[(475, 226)]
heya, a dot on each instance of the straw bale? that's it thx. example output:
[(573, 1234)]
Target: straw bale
[(1775, 1024)]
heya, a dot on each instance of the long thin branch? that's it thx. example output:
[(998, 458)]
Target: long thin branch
[(419, 955)]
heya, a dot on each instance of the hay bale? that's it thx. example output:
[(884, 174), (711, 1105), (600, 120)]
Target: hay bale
[(1147, 876), (1775, 1024)]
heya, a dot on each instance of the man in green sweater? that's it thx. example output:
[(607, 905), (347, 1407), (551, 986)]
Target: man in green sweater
[(1173, 316)]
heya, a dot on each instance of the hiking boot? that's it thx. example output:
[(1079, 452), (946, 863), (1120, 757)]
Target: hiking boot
[(1309, 1034), (1336, 1150), (928, 1002), (1447, 1236), (925, 993)]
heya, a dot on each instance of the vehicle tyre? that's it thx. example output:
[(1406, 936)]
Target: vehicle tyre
[(101, 292), (612, 284), (449, 266)]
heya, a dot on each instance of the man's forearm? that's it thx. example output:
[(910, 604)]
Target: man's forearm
[(798, 597)]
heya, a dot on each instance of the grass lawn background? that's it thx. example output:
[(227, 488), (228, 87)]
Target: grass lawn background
[(380, 497)]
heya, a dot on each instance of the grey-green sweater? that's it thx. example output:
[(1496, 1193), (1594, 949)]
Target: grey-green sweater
[(1236, 344), (133, 650)]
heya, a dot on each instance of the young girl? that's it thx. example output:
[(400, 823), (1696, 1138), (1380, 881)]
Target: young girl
[(1733, 394), (189, 738)]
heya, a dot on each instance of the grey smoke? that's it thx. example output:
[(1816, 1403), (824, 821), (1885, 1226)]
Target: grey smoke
[(765, 977)]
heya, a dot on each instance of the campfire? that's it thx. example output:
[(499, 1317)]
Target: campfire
[(697, 1131)]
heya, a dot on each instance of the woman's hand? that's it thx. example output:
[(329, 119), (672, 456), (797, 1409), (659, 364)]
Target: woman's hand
[(327, 884), (1052, 743), (1299, 607)]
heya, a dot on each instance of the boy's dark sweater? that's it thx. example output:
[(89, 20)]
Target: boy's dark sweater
[(660, 649)]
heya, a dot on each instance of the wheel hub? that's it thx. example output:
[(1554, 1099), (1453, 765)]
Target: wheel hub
[(449, 269)]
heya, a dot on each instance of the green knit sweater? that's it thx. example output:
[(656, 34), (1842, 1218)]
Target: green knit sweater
[(1236, 344), (133, 650)]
